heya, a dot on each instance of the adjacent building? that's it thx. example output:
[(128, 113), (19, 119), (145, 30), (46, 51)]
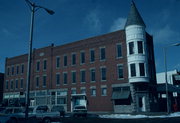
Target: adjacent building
[(116, 71), (1, 86)]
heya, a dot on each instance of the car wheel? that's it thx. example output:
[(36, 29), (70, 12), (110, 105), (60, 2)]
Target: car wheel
[(46, 120)]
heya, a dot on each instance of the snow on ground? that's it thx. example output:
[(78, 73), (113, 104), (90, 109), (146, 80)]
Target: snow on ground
[(129, 116)]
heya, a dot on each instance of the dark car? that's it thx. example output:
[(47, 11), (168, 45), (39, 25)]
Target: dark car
[(60, 109)]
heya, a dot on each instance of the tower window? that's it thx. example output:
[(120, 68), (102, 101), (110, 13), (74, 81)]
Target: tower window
[(131, 48), (92, 55), (140, 47), (141, 69), (57, 62), (133, 70), (82, 57), (65, 60)]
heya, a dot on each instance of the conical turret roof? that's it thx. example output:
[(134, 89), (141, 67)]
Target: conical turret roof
[(134, 18)]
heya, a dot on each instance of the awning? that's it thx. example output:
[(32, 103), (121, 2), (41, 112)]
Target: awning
[(120, 95)]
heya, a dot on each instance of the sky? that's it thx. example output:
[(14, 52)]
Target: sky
[(80, 19)]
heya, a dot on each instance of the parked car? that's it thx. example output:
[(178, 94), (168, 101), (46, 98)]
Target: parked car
[(80, 110), (15, 114), (43, 113), (60, 109)]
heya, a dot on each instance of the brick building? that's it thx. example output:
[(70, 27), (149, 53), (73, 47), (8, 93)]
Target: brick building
[(1, 86), (116, 71)]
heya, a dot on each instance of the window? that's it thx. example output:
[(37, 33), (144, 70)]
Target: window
[(57, 62), (7, 84), (118, 51), (131, 48), (16, 83), (65, 78), (73, 58), (140, 47), (93, 92), (141, 69), (44, 64), (12, 70), (44, 80), (8, 71), (92, 55), (102, 53), (93, 75), (17, 70), (21, 83), (104, 91), (133, 70), (12, 84), (73, 91), (65, 60), (57, 79), (61, 100), (82, 57), (83, 76), (73, 77), (120, 71), (37, 81), (83, 91), (22, 68), (103, 74), (37, 65)]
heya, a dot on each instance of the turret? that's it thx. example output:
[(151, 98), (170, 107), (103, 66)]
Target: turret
[(136, 47)]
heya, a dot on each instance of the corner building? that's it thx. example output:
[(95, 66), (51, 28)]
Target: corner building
[(116, 71)]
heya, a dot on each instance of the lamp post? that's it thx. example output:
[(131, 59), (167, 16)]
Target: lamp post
[(165, 65), (33, 8)]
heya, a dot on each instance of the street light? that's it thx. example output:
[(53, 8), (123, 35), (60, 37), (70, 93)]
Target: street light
[(165, 65), (33, 7)]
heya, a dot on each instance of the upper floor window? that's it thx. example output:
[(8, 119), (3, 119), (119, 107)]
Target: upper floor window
[(141, 69), (102, 53), (93, 91), (12, 84), (82, 57), (92, 75), (8, 71), (37, 81), (118, 51), (131, 48), (57, 79), (83, 76), (7, 84), (65, 78), (120, 71), (17, 70), (12, 70), (133, 70), (65, 60), (83, 91), (44, 80), (104, 91), (22, 68), (92, 55), (44, 64), (73, 76), (21, 83), (73, 58), (37, 65), (73, 91), (140, 47), (103, 73), (16, 84), (57, 62)]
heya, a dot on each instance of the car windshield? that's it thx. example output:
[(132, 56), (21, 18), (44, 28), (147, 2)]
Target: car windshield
[(42, 109)]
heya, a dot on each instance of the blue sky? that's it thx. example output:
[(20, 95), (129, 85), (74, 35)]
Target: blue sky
[(79, 19)]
